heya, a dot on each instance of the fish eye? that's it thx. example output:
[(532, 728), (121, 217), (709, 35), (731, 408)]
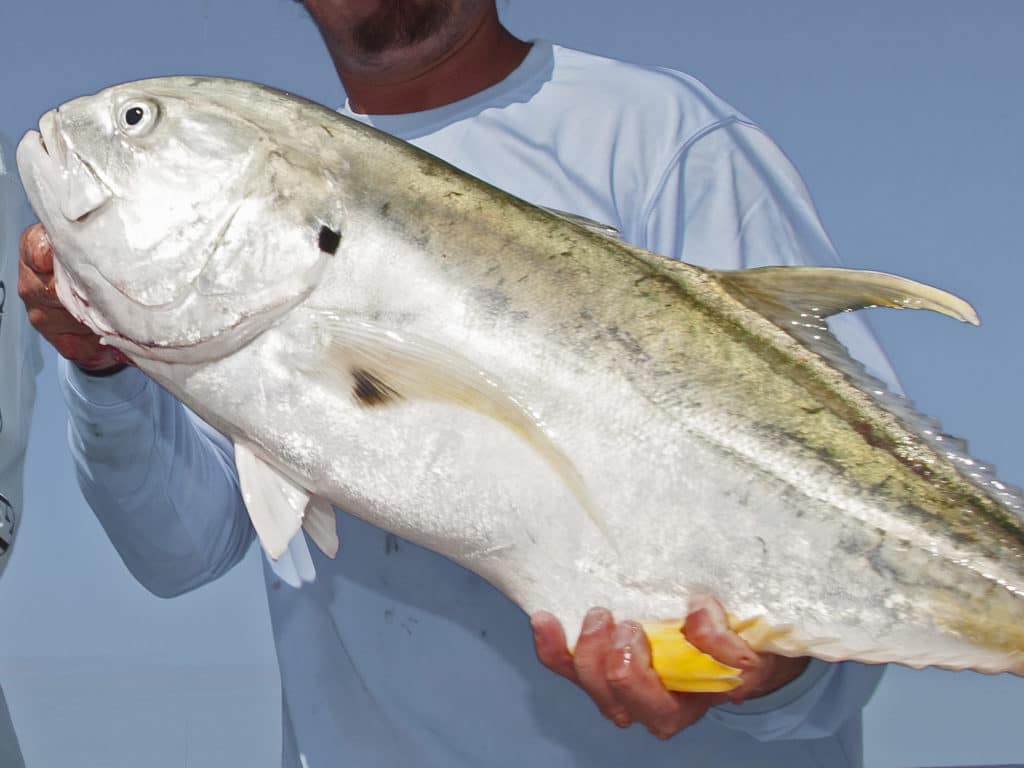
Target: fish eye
[(137, 117)]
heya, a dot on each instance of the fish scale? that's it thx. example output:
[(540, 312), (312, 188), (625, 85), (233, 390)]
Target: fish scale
[(576, 420)]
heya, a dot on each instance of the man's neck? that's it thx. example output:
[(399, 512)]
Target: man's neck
[(485, 56)]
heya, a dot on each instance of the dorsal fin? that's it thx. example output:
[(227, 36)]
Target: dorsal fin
[(787, 294), (799, 299), (582, 221)]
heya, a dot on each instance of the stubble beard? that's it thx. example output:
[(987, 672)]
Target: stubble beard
[(398, 24)]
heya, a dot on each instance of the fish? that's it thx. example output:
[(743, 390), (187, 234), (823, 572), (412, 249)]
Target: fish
[(578, 421)]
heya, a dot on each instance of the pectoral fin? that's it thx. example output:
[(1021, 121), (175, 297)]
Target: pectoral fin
[(386, 367)]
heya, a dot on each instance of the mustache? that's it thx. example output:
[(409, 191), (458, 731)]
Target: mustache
[(400, 23)]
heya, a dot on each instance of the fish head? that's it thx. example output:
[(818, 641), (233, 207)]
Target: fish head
[(161, 199)]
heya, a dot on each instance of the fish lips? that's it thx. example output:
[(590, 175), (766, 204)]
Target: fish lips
[(42, 164), (56, 177), (40, 174)]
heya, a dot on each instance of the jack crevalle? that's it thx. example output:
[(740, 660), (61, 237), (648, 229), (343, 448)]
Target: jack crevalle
[(578, 421)]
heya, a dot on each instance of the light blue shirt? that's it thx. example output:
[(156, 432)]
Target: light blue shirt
[(395, 656), (19, 363)]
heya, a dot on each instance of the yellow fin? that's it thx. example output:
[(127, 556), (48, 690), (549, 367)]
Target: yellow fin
[(759, 634), (681, 666)]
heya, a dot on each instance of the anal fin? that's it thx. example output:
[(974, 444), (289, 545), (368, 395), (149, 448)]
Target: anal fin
[(681, 666)]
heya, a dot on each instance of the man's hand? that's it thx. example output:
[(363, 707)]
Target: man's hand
[(612, 663), (69, 337)]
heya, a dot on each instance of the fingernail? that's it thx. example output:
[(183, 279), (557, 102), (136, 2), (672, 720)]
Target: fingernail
[(595, 620), (712, 610), (622, 720), (660, 732), (698, 603), (39, 248), (699, 616), (538, 618)]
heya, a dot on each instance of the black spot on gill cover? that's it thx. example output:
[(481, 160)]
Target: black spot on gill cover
[(329, 240), (369, 390)]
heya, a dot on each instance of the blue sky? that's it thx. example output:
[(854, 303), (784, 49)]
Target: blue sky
[(903, 117)]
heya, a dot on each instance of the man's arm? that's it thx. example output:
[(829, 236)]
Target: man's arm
[(161, 482)]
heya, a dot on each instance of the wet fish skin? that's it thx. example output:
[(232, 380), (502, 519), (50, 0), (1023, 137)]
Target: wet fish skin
[(580, 422)]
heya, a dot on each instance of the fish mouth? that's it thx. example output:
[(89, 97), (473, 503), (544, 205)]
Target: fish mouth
[(81, 192), (40, 137), (49, 138)]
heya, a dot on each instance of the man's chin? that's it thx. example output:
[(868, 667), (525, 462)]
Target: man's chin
[(398, 25)]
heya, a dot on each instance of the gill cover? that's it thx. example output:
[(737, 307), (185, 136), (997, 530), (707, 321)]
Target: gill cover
[(180, 213)]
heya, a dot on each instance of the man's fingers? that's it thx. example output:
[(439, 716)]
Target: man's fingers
[(549, 640), (590, 659), (639, 689), (85, 350), (35, 249), (53, 323), (70, 338), (36, 290), (707, 627)]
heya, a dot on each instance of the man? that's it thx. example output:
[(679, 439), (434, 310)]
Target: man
[(19, 363), (395, 656)]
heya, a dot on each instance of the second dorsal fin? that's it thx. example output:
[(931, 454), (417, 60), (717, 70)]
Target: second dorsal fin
[(785, 295)]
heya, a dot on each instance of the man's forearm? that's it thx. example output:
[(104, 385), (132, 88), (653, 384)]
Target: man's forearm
[(160, 482)]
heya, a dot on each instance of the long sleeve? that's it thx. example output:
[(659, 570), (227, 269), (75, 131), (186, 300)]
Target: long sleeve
[(729, 199), (161, 481), (10, 751), (19, 363), (815, 705)]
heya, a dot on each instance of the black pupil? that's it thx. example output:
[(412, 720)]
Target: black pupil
[(134, 116)]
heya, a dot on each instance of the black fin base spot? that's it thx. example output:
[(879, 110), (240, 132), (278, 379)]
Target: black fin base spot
[(329, 240), (371, 391)]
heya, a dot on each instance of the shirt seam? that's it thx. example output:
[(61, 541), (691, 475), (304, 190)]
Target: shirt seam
[(670, 165)]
